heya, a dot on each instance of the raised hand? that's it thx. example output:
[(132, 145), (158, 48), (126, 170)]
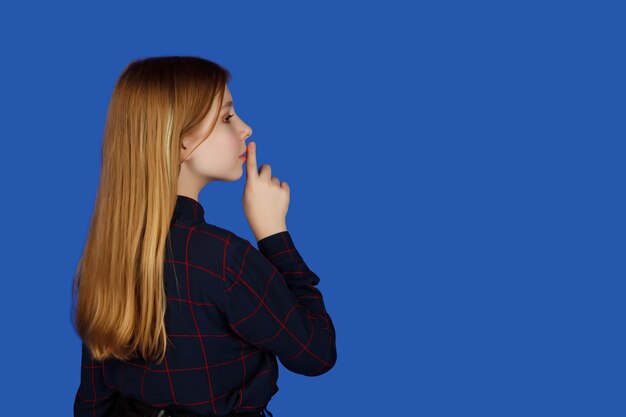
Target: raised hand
[(265, 198)]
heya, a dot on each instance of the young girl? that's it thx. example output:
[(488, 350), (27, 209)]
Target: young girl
[(178, 316)]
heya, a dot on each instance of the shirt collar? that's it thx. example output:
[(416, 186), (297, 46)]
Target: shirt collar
[(188, 209)]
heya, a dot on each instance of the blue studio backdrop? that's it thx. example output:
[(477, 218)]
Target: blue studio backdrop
[(457, 183)]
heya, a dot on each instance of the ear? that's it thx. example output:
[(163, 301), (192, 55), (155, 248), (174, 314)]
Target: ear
[(182, 145)]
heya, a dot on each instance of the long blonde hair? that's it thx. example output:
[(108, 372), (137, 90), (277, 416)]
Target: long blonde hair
[(120, 311)]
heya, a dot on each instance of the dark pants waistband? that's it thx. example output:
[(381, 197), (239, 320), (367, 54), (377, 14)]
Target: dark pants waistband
[(132, 407)]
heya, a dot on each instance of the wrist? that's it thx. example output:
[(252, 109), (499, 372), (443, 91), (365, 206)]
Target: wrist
[(270, 232)]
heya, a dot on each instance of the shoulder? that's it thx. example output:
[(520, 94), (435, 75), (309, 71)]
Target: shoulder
[(230, 252), (211, 249), (211, 235)]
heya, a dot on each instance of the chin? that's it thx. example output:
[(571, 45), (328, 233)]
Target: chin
[(232, 175), (237, 174)]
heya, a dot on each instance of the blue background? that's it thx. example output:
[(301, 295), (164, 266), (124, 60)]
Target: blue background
[(457, 182)]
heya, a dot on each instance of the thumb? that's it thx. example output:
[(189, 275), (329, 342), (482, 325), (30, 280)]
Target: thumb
[(251, 169)]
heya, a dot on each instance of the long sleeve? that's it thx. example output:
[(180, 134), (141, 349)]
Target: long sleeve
[(93, 397), (270, 301)]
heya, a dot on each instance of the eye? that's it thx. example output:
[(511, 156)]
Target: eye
[(227, 119)]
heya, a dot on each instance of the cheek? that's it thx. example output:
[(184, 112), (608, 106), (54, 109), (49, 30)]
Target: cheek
[(219, 151), (227, 142), (236, 145)]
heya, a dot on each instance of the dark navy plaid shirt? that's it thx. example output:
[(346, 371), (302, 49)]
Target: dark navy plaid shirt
[(234, 310)]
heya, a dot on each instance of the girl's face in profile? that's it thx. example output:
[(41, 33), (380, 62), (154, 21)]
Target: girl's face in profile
[(217, 156)]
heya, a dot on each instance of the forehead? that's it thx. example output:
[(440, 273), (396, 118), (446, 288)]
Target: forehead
[(214, 110), (226, 98), (227, 95)]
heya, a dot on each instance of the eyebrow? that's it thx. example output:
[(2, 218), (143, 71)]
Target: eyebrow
[(227, 104)]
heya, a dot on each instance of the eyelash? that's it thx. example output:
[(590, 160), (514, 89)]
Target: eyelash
[(229, 116)]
